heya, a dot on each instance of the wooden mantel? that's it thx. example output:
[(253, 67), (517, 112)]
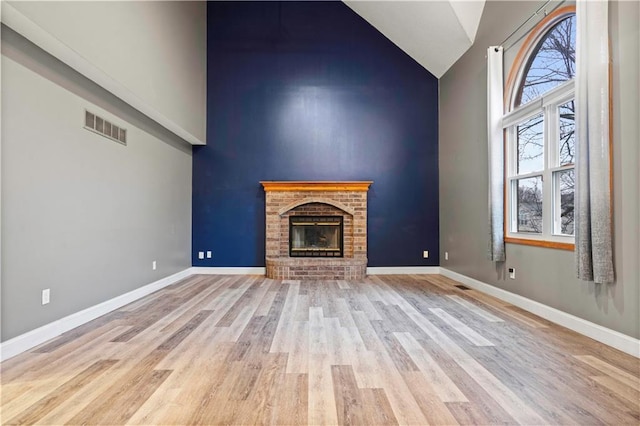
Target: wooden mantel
[(292, 185)]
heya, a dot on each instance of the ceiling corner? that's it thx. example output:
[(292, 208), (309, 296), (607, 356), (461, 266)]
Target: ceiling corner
[(469, 13), (435, 33)]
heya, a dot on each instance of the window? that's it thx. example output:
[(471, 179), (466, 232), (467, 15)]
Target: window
[(540, 136)]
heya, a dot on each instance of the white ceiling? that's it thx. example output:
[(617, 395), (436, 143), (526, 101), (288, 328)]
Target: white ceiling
[(433, 32)]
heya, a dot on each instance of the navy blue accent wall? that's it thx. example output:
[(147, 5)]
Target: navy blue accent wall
[(311, 91)]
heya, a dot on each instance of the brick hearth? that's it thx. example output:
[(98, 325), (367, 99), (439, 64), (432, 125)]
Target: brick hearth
[(286, 198)]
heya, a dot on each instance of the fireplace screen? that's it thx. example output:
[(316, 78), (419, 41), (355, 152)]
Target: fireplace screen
[(315, 236)]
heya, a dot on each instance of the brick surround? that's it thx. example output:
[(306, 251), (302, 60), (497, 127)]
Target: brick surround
[(284, 199)]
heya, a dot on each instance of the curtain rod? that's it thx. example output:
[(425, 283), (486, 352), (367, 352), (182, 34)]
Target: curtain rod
[(534, 15)]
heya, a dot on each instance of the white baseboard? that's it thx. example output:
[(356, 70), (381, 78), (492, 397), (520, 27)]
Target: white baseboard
[(597, 332), (402, 270), (246, 270), (26, 341)]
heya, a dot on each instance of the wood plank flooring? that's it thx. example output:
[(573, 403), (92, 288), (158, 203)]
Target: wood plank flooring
[(386, 350)]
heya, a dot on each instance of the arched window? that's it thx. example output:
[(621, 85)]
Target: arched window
[(540, 135), (552, 63)]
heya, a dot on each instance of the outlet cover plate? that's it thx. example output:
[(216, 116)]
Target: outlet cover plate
[(46, 296)]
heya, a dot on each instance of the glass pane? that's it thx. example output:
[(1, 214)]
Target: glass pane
[(529, 207), (552, 63), (567, 115), (315, 236), (531, 145), (565, 184)]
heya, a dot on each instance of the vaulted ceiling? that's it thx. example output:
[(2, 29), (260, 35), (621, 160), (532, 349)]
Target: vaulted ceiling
[(433, 32)]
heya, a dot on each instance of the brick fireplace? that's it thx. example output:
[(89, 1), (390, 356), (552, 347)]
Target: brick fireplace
[(316, 199)]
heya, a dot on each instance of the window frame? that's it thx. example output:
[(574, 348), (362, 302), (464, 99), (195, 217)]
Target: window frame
[(548, 105)]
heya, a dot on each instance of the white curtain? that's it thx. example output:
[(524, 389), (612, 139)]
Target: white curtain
[(495, 111), (593, 221)]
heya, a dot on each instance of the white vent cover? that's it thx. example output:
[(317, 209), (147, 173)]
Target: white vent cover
[(104, 127)]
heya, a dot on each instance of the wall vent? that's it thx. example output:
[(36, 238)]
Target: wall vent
[(99, 125)]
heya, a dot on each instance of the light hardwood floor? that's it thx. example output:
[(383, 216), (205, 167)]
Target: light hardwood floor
[(386, 350)]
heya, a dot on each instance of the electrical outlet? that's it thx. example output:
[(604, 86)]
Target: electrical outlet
[(154, 265), (425, 254), (512, 273), (200, 255), (46, 296), (446, 255), (209, 254)]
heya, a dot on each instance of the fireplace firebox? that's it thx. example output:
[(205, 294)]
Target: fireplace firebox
[(315, 236)]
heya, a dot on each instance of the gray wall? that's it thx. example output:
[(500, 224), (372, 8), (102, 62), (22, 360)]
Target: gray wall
[(544, 275), (81, 214), (156, 49)]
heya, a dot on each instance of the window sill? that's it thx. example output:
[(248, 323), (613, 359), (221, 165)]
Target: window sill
[(541, 243)]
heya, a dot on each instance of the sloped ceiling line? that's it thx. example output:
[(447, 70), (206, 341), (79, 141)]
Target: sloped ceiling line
[(434, 33)]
